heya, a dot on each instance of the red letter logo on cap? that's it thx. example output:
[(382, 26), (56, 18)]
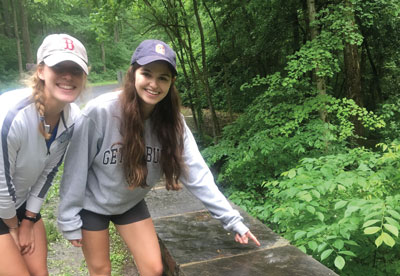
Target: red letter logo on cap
[(69, 44)]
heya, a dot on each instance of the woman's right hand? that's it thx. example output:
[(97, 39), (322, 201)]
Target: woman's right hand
[(76, 243)]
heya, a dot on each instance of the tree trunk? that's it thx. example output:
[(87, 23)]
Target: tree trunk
[(116, 32), (103, 56), (14, 8), (321, 86), (7, 18), (25, 32), (204, 76), (225, 67), (352, 72)]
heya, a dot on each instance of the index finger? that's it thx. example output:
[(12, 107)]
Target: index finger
[(251, 236)]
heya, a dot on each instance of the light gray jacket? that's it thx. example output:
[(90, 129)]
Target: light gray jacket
[(27, 166)]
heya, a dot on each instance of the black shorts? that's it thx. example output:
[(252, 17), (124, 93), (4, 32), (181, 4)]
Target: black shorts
[(97, 222), (20, 214)]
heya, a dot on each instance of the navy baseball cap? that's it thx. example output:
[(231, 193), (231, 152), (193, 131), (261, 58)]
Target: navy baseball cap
[(152, 50)]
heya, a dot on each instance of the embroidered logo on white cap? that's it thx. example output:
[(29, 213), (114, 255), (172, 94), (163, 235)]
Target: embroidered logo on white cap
[(57, 48)]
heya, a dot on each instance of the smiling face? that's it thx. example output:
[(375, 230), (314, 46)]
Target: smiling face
[(63, 82), (152, 83)]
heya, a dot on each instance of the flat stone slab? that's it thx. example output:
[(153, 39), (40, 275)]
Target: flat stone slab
[(194, 243), (280, 261), (162, 203), (196, 237)]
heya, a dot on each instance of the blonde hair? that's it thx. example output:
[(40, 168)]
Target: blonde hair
[(39, 97)]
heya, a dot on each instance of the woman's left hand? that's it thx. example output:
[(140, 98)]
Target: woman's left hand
[(245, 238), (26, 237)]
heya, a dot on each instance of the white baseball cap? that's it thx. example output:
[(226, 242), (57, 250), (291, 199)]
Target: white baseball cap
[(57, 48)]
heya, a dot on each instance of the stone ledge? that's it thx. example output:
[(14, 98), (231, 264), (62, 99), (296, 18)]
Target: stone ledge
[(193, 243)]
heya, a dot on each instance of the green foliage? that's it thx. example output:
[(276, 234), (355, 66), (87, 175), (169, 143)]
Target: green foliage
[(390, 112), (342, 209), (281, 127)]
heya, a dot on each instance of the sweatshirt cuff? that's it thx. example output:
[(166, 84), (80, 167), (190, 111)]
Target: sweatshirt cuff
[(73, 235), (240, 228), (33, 204), (8, 211)]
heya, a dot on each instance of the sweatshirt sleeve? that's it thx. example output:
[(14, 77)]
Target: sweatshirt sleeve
[(39, 190), (10, 144), (80, 154), (200, 181)]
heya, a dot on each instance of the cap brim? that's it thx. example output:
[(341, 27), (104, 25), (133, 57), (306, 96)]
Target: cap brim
[(150, 59), (60, 57)]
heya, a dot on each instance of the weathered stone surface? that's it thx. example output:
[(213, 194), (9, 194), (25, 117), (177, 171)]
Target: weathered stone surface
[(197, 237), (164, 203), (281, 261), (193, 243)]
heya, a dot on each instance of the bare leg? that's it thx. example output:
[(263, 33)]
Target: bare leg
[(96, 248), (37, 261), (141, 239), (11, 261)]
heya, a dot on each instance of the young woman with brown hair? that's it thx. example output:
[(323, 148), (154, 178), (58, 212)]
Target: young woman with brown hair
[(124, 142), (36, 125)]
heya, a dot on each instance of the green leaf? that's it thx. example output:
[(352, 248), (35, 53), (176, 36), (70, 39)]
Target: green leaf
[(310, 209), (370, 222), (299, 235), (320, 216), (392, 229), (303, 249), (388, 239), (322, 246), (371, 230), (379, 241), (316, 193), (339, 262), (351, 243), (393, 213), (350, 210), (392, 222), (312, 245), (305, 196), (348, 253), (340, 204), (326, 254), (338, 244), (292, 173)]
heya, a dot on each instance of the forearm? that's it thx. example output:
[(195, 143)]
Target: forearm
[(12, 223)]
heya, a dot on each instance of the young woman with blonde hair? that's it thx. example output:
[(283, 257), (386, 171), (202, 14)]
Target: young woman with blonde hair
[(123, 143), (36, 125)]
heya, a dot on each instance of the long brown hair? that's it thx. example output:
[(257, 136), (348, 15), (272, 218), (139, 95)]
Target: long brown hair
[(167, 123)]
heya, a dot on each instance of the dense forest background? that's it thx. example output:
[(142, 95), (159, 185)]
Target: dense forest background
[(309, 88)]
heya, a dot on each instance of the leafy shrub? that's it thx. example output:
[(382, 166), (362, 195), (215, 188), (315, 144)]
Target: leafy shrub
[(342, 209)]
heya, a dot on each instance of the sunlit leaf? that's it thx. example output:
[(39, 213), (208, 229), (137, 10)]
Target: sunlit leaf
[(299, 235), (339, 262), (378, 241), (388, 239), (371, 230), (340, 204), (348, 253), (392, 229), (370, 222), (326, 254)]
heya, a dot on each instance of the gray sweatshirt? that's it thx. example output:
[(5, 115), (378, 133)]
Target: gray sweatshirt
[(93, 175)]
